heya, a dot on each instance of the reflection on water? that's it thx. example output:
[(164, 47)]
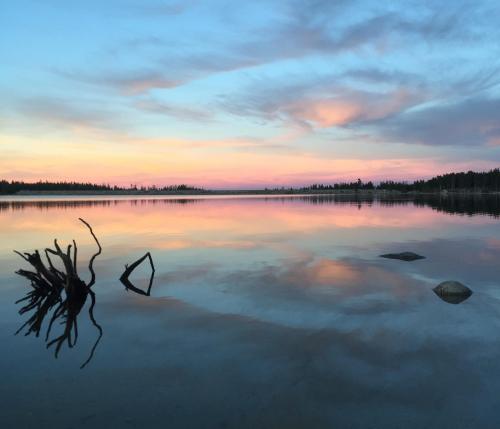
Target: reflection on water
[(125, 277), (267, 312), (76, 203), (467, 204), (59, 293)]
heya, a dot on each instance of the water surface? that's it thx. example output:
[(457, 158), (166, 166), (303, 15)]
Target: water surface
[(268, 312)]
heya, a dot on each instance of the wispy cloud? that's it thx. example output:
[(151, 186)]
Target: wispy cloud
[(349, 108), (151, 105), (319, 103), (60, 112), (130, 82), (319, 89), (473, 121), (45, 115), (304, 29)]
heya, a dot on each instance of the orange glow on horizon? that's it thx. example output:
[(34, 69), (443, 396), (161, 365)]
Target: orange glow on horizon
[(168, 162)]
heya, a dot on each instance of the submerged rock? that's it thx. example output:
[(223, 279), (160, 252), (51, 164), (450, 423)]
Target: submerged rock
[(404, 256), (452, 292)]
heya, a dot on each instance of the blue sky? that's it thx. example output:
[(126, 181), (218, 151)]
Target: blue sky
[(259, 93)]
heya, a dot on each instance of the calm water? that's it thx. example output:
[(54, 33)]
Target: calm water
[(263, 313)]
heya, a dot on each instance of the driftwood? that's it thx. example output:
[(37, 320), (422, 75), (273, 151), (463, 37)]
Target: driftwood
[(130, 268), (61, 292)]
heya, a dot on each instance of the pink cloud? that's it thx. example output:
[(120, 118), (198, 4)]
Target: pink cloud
[(350, 107)]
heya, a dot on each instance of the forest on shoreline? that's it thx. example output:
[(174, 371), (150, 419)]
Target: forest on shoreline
[(478, 182)]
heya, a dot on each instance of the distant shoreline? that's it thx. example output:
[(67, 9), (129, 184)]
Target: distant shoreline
[(462, 183), (376, 192)]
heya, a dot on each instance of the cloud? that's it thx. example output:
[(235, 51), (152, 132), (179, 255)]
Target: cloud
[(185, 113), (349, 108), (141, 82), (380, 76), (131, 82), (387, 105), (45, 116), (472, 121), (165, 73), (302, 29), (325, 27), (60, 112), (319, 104), (351, 72)]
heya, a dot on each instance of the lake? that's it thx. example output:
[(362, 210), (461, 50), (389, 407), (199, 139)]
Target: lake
[(264, 312)]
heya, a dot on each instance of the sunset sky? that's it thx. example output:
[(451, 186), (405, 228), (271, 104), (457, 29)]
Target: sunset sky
[(225, 94)]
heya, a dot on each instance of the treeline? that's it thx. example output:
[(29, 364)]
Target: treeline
[(357, 185), (470, 181), (488, 181), (154, 188), (14, 187)]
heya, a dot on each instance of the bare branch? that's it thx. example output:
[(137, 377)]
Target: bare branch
[(91, 262), (21, 255), (75, 254)]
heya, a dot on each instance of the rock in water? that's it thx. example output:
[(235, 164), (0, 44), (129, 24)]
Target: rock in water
[(452, 292), (404, 256)]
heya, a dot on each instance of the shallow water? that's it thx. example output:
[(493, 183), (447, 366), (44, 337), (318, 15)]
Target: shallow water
[(265, 312)]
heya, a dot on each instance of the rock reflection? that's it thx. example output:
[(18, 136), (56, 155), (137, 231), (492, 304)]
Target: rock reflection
[(130, 268), (58, 294)]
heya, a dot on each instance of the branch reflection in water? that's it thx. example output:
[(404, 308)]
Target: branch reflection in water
[(58, 293), (130, 268), (61, 294)]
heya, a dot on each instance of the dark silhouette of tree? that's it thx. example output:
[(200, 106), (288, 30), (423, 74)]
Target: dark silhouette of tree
[(14, 187), (469, 181)]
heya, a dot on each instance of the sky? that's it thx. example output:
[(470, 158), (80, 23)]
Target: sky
[(247, 94)]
